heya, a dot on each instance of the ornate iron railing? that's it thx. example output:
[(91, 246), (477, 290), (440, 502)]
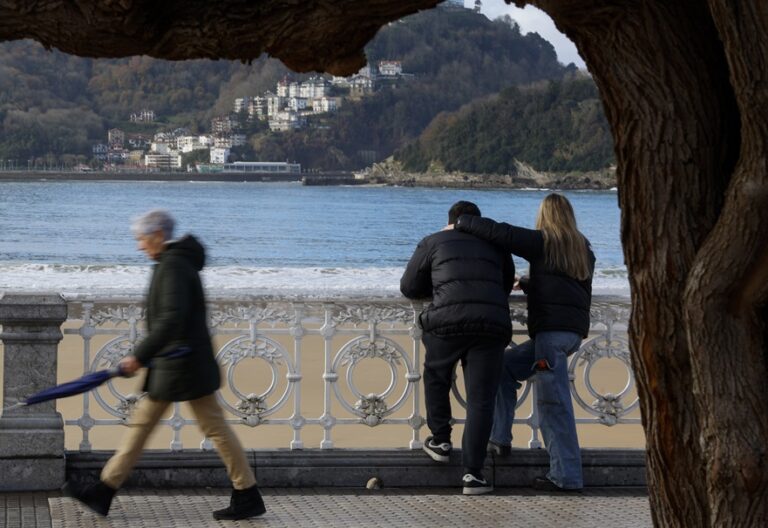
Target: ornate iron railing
[(283, 333)]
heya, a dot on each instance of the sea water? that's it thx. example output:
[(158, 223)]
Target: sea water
[(73, 237)]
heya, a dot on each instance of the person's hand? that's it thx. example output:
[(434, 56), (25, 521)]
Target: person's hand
[(448, 227), (129, 365)]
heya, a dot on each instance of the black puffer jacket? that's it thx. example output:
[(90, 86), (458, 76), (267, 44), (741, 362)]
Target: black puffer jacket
[(178, 350), (469, 281), (556, 301)]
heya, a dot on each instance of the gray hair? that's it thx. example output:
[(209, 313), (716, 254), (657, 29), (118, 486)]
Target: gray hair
[(153, 221)]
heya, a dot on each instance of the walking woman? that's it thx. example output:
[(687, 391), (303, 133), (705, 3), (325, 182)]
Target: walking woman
[(559, 290), (178, 354)]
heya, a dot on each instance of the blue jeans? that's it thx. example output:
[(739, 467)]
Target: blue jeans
[(553, 399)]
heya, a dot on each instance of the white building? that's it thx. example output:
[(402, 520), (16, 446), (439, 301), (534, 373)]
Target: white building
[(189, 143), (282, 89), (168, 161), (241, 103), (390, 68), (360, 85), (219, 155), (297, 103), (286, 120), (257, 107), (313, 88), (222, 125), (325, 104), (275, 103), (160, 147), (145, 116)]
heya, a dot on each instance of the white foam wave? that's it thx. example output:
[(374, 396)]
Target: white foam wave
[(75, 280)]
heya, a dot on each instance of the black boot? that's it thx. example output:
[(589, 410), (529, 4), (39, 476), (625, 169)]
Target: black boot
[(98, 496), (243, 504)]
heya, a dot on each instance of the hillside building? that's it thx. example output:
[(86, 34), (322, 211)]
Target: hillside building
[(115, 138), (219, 155), (390, 68), (169, 161), (144, 116)]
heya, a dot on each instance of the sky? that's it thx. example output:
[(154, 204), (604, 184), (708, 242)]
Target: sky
[(533, 20)]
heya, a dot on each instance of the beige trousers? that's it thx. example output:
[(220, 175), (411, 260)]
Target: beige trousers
[(210, 418)]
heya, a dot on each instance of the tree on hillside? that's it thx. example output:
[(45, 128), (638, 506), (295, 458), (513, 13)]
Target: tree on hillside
[(684, 88), (558, 126)]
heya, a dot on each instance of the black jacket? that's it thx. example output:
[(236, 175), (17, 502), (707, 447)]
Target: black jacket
[(556, 301), (178, 350), (469, 281)]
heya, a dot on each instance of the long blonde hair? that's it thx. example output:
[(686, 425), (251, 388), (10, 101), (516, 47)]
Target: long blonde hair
[(565, 248)]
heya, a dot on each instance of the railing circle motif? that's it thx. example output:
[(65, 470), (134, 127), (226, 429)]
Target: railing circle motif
[(608, 408), (371, 408), (107, 357), (253, 408)]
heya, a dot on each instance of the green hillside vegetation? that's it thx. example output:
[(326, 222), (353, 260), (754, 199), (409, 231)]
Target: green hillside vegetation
[(557, 127), (54, 106)]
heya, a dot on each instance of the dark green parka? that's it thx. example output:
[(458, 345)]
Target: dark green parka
[(177, 350)]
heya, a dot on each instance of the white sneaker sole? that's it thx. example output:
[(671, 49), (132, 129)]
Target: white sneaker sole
[(434, 456), (477, 491)]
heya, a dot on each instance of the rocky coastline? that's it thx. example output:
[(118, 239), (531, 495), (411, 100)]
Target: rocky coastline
[(390, 172)]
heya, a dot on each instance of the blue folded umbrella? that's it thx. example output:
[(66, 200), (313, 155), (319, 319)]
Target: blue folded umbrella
[(71, 388)]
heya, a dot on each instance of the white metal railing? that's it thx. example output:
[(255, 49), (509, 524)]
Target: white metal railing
[(284, 333)]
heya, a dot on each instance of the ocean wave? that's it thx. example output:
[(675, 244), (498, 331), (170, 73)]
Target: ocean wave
[(74, 280)]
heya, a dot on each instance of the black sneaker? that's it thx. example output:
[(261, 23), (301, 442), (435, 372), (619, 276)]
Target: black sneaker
[(475, 485), (544, 484), (438, 452), (499, 450)]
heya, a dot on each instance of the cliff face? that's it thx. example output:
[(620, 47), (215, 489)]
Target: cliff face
[(306, 35), (525, 177)]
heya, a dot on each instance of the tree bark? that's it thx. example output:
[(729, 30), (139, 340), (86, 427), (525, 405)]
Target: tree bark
[(663, 78), (727, 293), (323, 35)]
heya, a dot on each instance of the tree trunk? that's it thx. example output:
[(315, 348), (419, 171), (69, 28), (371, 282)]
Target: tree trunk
[(727, 291), (663, 77)]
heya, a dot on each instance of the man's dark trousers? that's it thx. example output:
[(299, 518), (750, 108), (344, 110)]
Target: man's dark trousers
[(481, 358)]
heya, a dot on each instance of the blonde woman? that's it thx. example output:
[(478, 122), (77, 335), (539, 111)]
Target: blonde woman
[(559, 293)]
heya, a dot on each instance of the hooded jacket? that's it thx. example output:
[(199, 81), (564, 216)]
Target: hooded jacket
[(556, 301), (469, 281), (177, 349)]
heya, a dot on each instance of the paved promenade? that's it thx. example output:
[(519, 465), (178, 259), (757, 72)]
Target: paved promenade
[(340, 508)]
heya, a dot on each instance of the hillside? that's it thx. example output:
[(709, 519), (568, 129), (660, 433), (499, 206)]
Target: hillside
[(554, 126), (55, 106)]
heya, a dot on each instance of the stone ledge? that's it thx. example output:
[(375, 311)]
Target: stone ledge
[(353, 468)]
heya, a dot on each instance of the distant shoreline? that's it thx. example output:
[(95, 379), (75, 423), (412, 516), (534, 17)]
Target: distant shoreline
[(25, 176), (426, 180)]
